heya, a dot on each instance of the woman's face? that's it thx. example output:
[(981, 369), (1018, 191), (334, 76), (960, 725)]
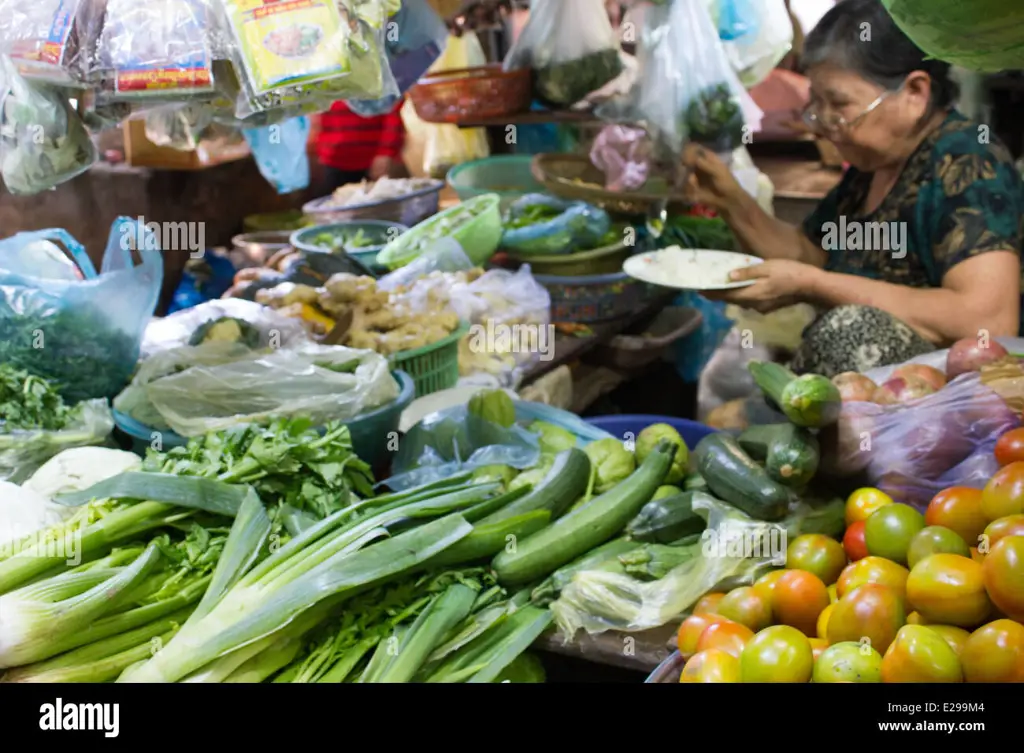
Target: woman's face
[(867, 140)]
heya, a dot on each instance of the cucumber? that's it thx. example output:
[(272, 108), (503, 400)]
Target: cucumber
[(587, 526), (487, 540), (550, 588), (564, 482), (790, 453), (811, 400), (496, 503), (662, 521), (732, 476)]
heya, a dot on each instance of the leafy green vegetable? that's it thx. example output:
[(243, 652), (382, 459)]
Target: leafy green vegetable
[(553, 439), (30, 402), (227, 329), (568, 82), (714, 118), (698, 232)]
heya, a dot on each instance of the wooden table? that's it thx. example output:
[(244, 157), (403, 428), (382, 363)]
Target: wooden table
[(640, 652)]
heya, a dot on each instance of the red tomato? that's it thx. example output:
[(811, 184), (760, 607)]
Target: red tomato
[(708, 603), (745, 606), (1004, 493), (1011, 525), (919, 654), (1003, 572), (1010, 447), (765, 585), (958, 509), (853, 542), (730, 637), (949, 589), (994, 653), (873, 570), (798, 600), (871, 614), (690, 631)]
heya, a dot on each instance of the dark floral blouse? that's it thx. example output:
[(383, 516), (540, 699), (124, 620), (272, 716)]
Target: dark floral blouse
[(957, 197)]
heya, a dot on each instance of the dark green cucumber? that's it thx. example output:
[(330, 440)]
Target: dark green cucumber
[(734, 477), (790, 453), (587, 526), (484, 541), (662, 521), (810, 400), (550, 588), (564, 483)]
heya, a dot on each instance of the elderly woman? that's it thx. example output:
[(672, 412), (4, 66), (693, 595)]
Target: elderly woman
[(919, 244)]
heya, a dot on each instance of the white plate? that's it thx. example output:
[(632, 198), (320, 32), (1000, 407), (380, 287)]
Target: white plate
[(689, 269)]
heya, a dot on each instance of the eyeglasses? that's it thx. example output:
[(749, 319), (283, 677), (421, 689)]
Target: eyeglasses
[(836, 122)]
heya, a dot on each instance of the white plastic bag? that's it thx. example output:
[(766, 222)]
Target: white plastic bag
[(756, 35), (571, 47), (24, 451)]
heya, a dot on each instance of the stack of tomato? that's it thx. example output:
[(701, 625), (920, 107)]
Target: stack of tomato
[(905, 597)]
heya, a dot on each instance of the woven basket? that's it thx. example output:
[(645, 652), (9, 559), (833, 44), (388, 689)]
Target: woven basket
[(465, 94), (574, 177)]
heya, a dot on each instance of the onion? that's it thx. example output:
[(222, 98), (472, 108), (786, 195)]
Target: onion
[(970, 354), (854, 387), (930, 374), (902, 390)]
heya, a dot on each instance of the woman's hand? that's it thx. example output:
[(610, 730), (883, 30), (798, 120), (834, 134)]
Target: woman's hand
[(711, 183), (778, 283)]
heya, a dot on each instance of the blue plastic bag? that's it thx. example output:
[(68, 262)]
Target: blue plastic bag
[(280, 153), (737, 19), (692, 353), (579, 225), (83, 334)]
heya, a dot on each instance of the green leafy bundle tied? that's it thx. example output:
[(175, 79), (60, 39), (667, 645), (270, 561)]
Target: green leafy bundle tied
[(30, 402)]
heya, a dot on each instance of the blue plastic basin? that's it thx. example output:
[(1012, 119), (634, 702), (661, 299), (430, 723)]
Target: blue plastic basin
[(630, 426)]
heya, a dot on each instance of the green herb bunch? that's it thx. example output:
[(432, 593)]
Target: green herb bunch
[(30, 402)]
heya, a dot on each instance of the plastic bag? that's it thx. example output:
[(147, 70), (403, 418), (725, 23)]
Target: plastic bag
[(48, 40), (82, 334), (545, 225), (621, 153), (446, 255), (178, 126), (195, 390), (280, 153), (915, 450), (43, 142), (571, 47), (174, 331), (22, 453), (756, 36)]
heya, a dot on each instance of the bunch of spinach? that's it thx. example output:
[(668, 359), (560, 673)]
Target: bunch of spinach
[(30, 402), (714, 118)]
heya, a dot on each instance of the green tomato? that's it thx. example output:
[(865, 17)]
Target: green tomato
[(935, 540), (648, 439), (889, 530), (777, 654), (848, 661)]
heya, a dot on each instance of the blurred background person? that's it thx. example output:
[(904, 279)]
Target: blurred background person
[(351, 148)]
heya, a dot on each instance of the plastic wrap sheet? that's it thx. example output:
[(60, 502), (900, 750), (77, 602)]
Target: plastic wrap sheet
[(23, 452), (572, 225)]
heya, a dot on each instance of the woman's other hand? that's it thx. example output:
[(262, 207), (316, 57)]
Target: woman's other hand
[(711, 183), (778, 283)]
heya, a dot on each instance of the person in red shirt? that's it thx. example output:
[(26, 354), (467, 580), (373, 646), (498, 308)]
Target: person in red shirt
[(352, 148)]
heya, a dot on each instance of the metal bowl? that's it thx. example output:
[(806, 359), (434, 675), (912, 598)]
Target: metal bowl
[(256, 248)]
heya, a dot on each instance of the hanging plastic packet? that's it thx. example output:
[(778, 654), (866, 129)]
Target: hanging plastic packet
[(153, 50), (571, 47), (621, 153), (756, 36), (48, 40), (280, 153), (43, 142), (178, 126), (736, 19)]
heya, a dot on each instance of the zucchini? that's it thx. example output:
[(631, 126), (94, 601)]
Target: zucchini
[(487, 540), (550, 588), (790, 453), (498, 502), (732, 476), (811, 400), (662, 521), (587, 526), (654, 561), (564, 482)]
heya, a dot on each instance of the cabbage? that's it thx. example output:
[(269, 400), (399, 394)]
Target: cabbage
[(610, 463), (553, 439), (649, 439), (985, 36)]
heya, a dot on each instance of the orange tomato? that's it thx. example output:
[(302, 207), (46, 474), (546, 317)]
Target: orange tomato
[(708, 603), (745, 606), (948, 589), (915, 618), (994, 653), (955, 637), (730, 637), (1003, 572), (1011, 525), (833, 594), (822, 627), (713, 665), (853, 542), (690, 631), (870, 614), (919, 654), (863, 502), (1004, 493), (873, 570), (766, 584), (958, 509), (976, 555), (818, 554), (1010, 447), (798, 600), (818, 646)]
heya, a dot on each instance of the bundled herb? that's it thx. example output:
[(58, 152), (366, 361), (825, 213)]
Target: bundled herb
[(29, 402), (714, 118), (568, 82), (691, 231)]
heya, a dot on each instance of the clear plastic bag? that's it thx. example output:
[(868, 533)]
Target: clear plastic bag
[(280, 153), (571, 47), (622, 154), (577, 225), (756, 36), (178, 126), (48, 40), (195, 390), (175, 330), (43, 142), (444, 256), (83, 334), (915, 450), (22, 453)]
